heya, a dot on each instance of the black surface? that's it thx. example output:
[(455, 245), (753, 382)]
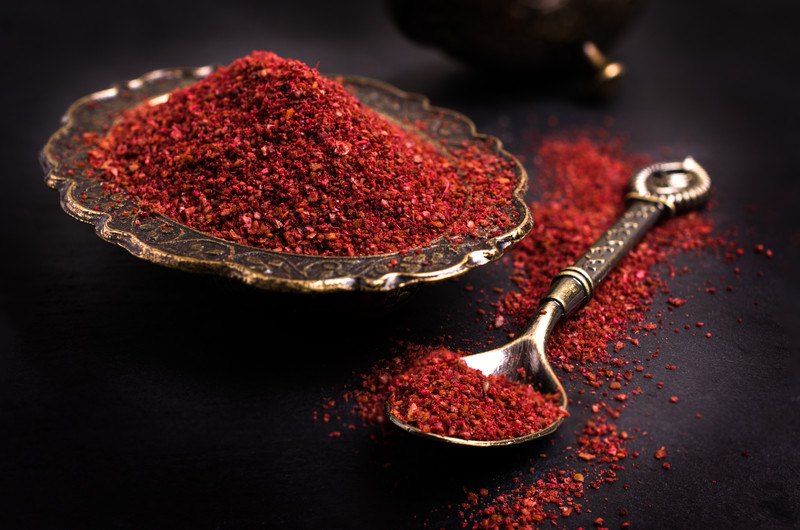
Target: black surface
[(133, 396)]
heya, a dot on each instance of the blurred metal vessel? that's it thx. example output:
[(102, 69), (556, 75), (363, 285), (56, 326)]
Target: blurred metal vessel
[(528, 37)]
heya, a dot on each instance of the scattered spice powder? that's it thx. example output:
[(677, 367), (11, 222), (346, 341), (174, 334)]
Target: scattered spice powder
[(558, 494), (549, 498), (440, 394), (582, 180), (269, 153)]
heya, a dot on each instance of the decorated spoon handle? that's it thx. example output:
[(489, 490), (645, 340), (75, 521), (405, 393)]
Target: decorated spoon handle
[(656, 191)]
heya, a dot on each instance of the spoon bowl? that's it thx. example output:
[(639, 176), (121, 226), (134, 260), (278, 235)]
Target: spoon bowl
[(528, 351)]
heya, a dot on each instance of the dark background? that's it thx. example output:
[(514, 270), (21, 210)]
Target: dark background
[(133, 396)]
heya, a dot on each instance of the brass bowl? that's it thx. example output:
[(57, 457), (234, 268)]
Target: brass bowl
[(162, 240)]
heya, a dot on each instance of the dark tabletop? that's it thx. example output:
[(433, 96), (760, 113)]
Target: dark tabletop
[(135, 396)]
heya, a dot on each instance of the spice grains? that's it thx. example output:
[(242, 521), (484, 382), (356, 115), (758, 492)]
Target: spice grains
[(440, 394), (269, 153), (598, 355)]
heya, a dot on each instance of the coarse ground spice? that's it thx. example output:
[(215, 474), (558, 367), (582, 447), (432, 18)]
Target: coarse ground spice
[(440, 394), (269, 153), (557, 495), (585, 181), (582, 180)]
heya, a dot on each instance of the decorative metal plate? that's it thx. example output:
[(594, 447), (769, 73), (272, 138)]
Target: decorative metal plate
[(167, 242)]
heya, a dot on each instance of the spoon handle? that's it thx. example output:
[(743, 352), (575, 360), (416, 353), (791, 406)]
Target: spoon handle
[(656, 191)]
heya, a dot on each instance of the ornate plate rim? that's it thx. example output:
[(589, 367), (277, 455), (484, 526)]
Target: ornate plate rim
[(478, 253)]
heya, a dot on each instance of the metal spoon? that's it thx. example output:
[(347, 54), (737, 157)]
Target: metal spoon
[(657, 191)]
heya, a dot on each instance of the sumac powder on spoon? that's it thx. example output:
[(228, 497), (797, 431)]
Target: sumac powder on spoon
[(269, 153), (440, 394)]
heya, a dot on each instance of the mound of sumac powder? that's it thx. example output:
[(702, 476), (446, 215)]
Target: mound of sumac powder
[(440, 394), (267, 152)]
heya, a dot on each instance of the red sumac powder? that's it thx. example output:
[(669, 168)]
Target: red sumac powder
[(267, 152), (582, 179), (440, 394)]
